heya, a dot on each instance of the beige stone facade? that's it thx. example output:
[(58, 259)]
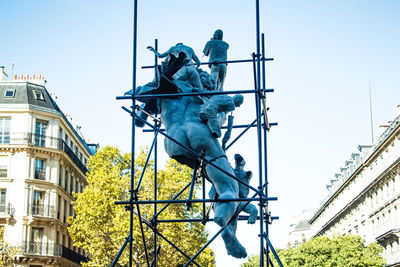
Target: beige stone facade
[(42, 162), (364, 197)]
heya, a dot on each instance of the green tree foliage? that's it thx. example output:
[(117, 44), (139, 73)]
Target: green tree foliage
[(100, 227), (349, 251), (7, 252)]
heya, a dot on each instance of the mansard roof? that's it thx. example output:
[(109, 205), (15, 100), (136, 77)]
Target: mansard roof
[(27, 93)]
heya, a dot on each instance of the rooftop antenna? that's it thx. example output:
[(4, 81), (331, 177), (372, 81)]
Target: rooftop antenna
[(370, 112)]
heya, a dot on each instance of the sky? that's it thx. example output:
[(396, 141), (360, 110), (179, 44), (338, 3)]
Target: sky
[(326, 56)]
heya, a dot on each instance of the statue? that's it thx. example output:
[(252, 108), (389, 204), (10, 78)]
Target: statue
[(187, 72), (217, 50), (180, 116), (243, 193), (210, 111)]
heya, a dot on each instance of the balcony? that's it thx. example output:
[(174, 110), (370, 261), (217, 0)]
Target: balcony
[(26, 138), (52, 250), (42, 210), (386, 230), (6, 209)]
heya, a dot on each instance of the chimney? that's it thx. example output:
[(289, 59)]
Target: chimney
[(3, 75)]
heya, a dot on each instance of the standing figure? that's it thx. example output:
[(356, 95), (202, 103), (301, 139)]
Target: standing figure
[(187, 72), (217, 50)]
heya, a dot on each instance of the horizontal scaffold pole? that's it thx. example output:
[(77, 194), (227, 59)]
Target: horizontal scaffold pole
[(223, 127), (220, 62), (179, 201), (193, 94)]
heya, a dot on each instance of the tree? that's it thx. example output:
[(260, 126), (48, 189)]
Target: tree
[(7, 252), (100, 227), (348, 250)]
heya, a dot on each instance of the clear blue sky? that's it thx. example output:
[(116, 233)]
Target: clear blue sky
[(325, 54)]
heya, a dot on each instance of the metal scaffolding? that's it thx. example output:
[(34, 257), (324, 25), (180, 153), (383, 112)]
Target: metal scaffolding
[(261, 123)]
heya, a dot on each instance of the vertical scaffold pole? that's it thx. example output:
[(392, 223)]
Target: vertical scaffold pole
[(258, 107), (132, 196), (265, 127), (155, 168)]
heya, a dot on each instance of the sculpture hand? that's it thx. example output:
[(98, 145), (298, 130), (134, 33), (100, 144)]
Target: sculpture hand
[(150, 48)]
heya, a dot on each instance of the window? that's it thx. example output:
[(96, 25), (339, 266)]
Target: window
[(40, 169), (5, 130), (3, 171), (38, 95), (9, 93), (37, 235), (65, 211), (59, 207), (40, 133), (71, 184), (60, 175), (66, 178), (3, 193), (37, 204)]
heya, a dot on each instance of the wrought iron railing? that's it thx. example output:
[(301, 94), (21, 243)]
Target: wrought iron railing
[(26, 138), (51, 249), (42, 210), (63, 146), (6, 209)]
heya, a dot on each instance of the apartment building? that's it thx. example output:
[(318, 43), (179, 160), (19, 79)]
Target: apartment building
[(42, 162), (364, 196)]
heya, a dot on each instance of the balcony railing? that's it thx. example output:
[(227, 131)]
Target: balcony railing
[(64, 147), (42, 210), (6, 209), (386, 228), (26, 138), (46, 249)]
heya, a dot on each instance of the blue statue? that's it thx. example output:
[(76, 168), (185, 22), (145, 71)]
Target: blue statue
[(244, 176), (180, 116), (217, 50), (188, 72)]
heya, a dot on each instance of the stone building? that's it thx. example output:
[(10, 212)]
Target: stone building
[(42, 162), (364, 196), (300, 229)]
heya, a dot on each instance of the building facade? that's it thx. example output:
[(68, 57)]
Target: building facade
[(42, 162), (364, 196), (300, 230)]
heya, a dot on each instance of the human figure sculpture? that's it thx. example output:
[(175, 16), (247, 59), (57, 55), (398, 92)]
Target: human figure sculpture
[(187, 72), (180, 116), (249, 208), (216, 104), (217, 50), (245, 177)]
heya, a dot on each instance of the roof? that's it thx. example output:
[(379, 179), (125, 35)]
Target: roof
[(25, 93)]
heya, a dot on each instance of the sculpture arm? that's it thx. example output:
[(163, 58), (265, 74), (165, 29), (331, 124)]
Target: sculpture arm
[(206, 50), (195, 59), (158, 54)]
